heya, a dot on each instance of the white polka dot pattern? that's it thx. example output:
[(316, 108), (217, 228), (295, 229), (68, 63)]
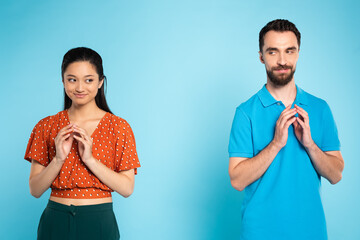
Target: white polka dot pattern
[(113, 145)]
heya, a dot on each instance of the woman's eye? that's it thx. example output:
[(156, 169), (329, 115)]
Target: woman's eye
[(71, 80), (88, 80)]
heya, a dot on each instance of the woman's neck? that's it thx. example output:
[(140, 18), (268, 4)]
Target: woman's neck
[(90, 110)]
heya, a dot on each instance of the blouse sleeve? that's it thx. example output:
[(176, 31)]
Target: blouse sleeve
[(37, 146), (126, 155)]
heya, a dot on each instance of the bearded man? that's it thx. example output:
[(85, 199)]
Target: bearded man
[(282, 141)]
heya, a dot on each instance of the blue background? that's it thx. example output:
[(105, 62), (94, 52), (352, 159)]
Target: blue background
[(176, 72)]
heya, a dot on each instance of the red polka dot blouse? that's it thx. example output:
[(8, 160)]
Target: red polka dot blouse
[(113, 145)]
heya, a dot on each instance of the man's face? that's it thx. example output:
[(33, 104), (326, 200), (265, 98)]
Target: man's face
[(280, 54)]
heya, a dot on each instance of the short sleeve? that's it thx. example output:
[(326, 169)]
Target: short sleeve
[(241, 144), (330, 140), (37, 147), (126, 155)]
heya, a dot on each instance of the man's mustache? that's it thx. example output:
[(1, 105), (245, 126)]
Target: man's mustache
[(282, 67)]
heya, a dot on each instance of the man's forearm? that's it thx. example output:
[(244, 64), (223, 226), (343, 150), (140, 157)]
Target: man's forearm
[(251, 169), (328, 164)]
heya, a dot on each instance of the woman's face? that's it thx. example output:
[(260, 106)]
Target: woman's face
[(81, 82)]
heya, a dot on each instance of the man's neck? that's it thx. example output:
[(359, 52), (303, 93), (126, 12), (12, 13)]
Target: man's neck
[(286, 94)]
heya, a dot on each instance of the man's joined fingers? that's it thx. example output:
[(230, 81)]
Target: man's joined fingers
[(290, 121), (285, 117)]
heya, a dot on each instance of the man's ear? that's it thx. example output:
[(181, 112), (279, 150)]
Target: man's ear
[(261, 57)]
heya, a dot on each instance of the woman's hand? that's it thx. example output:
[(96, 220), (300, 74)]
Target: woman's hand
[(122, 182), (84, 144), (63, 143)]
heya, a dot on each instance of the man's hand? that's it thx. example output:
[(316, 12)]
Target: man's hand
[(302, 128), (282, 125)]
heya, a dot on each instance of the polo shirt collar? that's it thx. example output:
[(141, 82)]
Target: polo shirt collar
[(267, 99), (301, 97)]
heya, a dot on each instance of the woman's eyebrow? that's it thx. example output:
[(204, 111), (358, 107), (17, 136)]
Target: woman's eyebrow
[(70, 75)]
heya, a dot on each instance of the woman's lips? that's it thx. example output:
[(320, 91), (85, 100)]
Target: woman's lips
[(80, 95)]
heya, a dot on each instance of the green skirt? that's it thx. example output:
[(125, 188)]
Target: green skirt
[(63, 222)]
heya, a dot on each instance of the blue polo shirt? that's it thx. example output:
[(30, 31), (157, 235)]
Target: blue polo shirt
[(284, 203)]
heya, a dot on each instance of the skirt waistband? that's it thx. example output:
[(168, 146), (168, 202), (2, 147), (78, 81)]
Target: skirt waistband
[(81, 208)]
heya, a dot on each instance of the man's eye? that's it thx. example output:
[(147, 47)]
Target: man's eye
[(271, 53)]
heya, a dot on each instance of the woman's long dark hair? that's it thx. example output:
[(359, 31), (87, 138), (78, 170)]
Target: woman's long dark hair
[(86, 54)]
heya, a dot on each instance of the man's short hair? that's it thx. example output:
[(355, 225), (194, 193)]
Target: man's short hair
[(278, 25)]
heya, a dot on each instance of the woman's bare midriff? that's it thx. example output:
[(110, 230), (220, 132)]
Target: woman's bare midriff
[(80, 202)]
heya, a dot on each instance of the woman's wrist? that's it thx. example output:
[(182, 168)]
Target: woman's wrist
[(58, 161), (90, 162)]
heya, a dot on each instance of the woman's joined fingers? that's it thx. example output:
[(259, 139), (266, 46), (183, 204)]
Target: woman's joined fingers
[(65, 130)]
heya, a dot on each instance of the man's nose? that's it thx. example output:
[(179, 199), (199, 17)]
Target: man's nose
[(282, 59)]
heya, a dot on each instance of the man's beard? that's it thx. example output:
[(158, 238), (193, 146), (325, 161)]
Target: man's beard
[(282, 79)]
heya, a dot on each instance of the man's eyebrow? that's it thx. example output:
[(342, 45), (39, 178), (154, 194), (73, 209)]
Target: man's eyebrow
[(271, 49), (292, 48)]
